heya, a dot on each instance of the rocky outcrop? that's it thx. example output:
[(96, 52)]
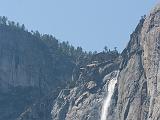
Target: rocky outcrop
[(137, 93), (88, 90), (22, 61), (25, 71), (84, 102), (138, 84), (28, 71)]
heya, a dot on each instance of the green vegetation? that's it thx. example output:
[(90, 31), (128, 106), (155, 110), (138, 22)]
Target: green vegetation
[(61, 48)]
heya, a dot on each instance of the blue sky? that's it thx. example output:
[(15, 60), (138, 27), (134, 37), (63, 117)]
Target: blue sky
[(91, 24)]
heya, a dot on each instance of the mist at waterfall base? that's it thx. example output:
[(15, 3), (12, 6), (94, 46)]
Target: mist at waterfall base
[(107, 100)]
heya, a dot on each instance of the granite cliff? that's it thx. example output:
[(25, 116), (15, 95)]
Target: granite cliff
[(139, 81), (30, 68), (137, 93)]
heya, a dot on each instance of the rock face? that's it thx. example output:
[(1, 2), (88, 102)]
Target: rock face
[(139, 81), (28, 71), (23, 72), (84, 101), (22, 61), (137, 93), (71, 102)]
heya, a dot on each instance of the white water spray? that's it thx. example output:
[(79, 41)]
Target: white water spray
[(107, 101)]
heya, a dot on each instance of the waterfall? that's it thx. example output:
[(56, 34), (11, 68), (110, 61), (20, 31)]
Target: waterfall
[(107, 100)]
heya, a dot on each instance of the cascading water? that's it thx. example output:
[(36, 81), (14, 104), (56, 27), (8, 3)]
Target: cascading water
[(107, 101)]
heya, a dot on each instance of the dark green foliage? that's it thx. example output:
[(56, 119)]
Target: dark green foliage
[(4, 20), (105, 48), (60, 48)]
